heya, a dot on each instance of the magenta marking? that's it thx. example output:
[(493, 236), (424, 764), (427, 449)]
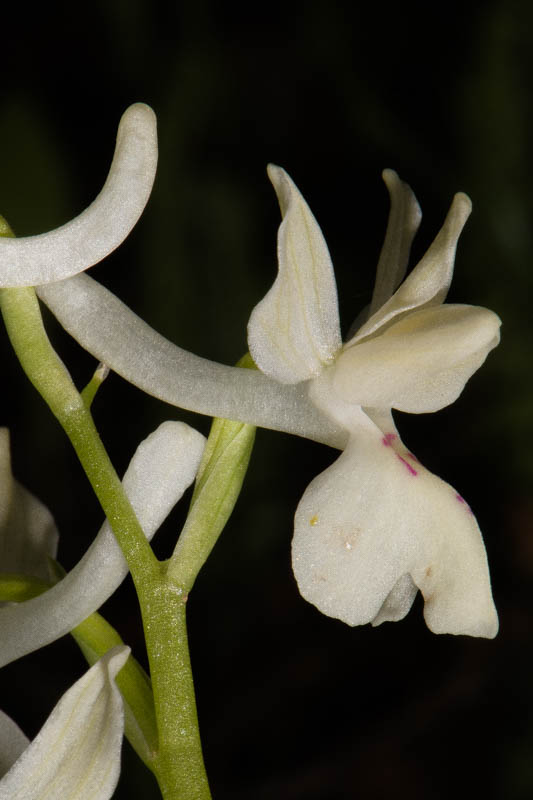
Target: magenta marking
[(463, 501), (388, 439), (406, 464), (413, 457)]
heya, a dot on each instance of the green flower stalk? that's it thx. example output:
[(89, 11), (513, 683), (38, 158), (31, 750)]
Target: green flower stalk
[(162, 587)]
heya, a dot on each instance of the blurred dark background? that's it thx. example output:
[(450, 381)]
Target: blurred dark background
[(293, 705)]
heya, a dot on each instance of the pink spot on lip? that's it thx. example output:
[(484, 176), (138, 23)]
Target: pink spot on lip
[(406, 464), (463, 501), (387, 441)]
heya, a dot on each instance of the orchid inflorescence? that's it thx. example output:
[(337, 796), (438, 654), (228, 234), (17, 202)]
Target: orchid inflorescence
[(369, 532)]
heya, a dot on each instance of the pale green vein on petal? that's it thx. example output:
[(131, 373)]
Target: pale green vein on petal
[(76, 754), (294, 331)]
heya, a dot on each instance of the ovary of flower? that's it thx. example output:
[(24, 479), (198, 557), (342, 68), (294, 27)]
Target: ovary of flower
[(376, 526), (97, 231)]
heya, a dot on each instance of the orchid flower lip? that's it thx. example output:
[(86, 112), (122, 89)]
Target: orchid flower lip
[(103, 226)]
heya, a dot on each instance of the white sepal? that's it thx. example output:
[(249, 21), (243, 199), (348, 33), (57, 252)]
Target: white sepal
[(97, 231), (162, 468), (294, 330), (404, 220), (27, 530), (375, 516), (76, 754), (420, 363), (428, 283)]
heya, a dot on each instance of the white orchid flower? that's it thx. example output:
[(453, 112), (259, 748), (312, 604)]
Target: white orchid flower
[(98, 230), (162, 468), (376, 526), (76, 754), (412, 354)]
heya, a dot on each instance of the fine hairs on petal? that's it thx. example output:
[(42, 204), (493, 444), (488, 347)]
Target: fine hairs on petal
[(97, 231)]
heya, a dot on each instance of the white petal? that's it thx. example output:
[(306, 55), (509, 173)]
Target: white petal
[(420, 363), (144, 357), (163, 466), (76, 754), (12, 743), (294, 331), (27, 530), (377, 515), (398, 602), (99, 229), (428, 283), (404, 220)]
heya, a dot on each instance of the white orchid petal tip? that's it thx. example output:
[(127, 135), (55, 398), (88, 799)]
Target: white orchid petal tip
[(294, 332), (103, 226), (76, 754)]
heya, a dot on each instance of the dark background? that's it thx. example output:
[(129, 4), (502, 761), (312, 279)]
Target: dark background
[(293, 704)]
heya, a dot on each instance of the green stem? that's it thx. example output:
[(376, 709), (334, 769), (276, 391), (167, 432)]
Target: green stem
[(179, 761), (22, 317)]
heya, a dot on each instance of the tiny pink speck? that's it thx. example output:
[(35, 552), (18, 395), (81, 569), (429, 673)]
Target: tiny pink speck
[(406, 464), (388, 439), (463, 501)]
